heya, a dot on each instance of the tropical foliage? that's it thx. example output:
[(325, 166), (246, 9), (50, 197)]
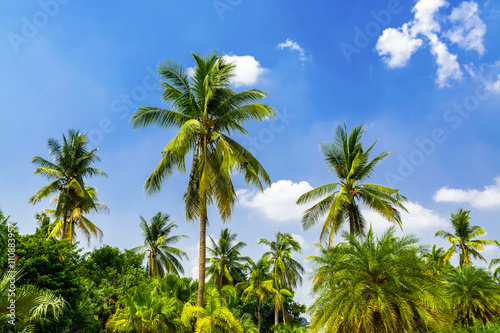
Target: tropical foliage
[(379, 285)]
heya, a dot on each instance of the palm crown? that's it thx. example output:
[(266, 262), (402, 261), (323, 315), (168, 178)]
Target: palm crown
[(350, 162), (71, 164), (162, 257), (227, 265), (464, 239)]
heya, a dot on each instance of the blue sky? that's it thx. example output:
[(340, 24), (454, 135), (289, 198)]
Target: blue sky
[(422, 75)]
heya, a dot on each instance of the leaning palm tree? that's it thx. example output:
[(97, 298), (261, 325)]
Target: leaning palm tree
[(162, 257), (206, 111), (286, 270), (71, 164), (227, 265), (379, 285), (350, 162), (464, 239)]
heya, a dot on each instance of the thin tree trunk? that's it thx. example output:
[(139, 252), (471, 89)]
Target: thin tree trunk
[(276, 317), (203, 250), (258, 315), (284, 321)]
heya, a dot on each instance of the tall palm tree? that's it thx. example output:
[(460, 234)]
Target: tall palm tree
[(346, 157), (206, 111), (286, 270), (474, 295), (259, 284), (71, 164), (162, 257), (227, 266), (464, 237), (379, 285)]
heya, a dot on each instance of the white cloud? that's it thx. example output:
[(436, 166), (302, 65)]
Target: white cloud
[(493, 86), (416, 219), (448, 67), (277, 202), (248, 70), (301, 241), (487, 198), (468, 30), (294, 46), (397, 46)]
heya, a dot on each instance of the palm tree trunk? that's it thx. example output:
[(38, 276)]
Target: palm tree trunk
[(258, 315), (203, 250), (284, 321)]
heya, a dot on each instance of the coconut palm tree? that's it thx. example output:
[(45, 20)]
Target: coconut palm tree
[(286, 270), (227, 265), (260, 284), (214, 316), (379, 285), (474, 295), (71, 164), (162, 257), (350, 161), (77, 219), (206, 111), (464, 237)]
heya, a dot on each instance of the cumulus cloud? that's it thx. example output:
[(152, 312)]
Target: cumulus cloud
[(487, 198), (416, 219), (248, 70), (301, 241), (277, 202), (468, 30), (296, 47), (493, 86), (396, 46)]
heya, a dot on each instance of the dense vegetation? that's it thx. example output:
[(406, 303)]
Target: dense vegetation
[(364, 283)]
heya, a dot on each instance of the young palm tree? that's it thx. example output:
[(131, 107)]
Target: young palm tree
[(32, 306), (71, 164), (162, 257), (206, 111), (464, 239), (142, 311), (227, 266), (260, 284), (350, 162), (379, 285), (474, 295), (286, 270), (213, 317)]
